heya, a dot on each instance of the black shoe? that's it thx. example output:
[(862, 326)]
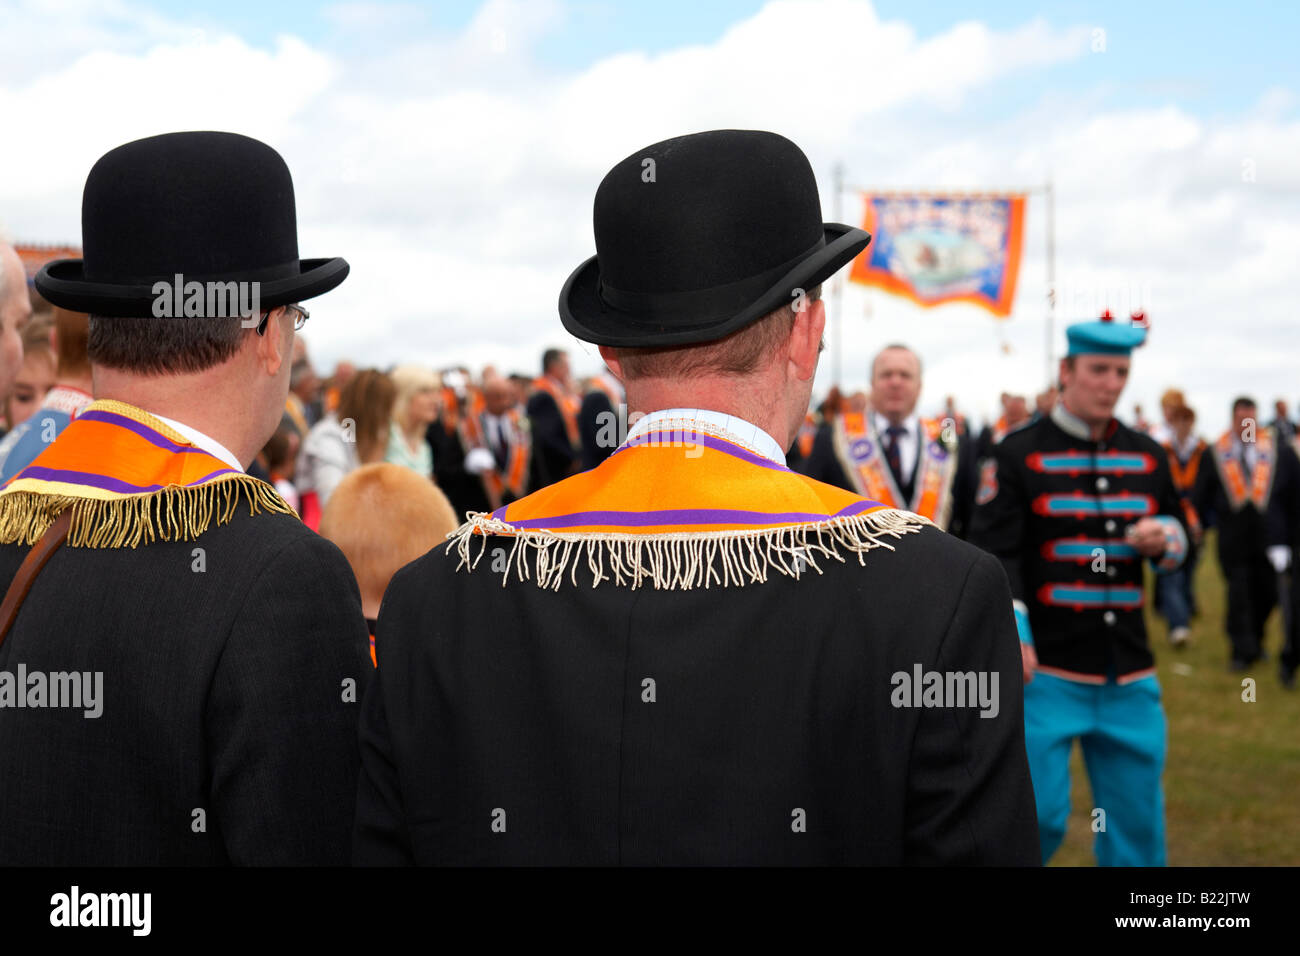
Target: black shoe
[(1237, 666), (1287, 676)]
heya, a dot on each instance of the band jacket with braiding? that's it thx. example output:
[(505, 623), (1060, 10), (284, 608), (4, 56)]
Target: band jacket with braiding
[(687, 656), (225, 632), (1053, 506)]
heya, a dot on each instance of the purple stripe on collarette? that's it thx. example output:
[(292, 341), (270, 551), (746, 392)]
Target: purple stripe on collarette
[(678, 437), (104, 482), (144, 431), (641, 519)]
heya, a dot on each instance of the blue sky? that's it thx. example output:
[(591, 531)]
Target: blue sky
[(1212, 58)]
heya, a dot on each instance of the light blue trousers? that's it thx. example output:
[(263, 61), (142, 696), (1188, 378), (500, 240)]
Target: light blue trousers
[(1123, 733)]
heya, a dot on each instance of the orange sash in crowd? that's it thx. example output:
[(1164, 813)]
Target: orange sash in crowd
[(861, 453), (680, 510), (495, 484), (129, 479), (807, 435), (1233, 476), (567, 404), (1184, 476)]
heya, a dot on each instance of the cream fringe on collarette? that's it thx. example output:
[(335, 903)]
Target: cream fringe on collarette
[(682, 560), (175, 513)]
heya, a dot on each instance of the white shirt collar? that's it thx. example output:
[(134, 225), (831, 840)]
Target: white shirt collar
[(743, 433), (910, 424), (1071, 423), (200, 440)]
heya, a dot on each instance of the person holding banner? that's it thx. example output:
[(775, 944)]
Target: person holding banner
[(892, 455), (1071, 504)]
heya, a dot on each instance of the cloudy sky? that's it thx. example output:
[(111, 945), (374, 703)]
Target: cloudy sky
[(451, 151)]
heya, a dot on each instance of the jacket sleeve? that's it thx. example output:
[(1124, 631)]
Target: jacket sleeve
[(1169, 512), (281, 713), (1206, 489), (969, 797), (380, 836), (1285, 501), (999, 523)]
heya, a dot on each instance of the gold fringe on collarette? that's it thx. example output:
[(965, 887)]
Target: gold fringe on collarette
[(683, 560), (174, 513)]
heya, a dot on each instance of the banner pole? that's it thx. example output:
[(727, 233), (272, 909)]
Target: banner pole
[(837, 285), (1051, 280)]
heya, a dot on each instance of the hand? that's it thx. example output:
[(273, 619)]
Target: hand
[(479, 460), (1148, 536), (1280, 557), (1028, 660)]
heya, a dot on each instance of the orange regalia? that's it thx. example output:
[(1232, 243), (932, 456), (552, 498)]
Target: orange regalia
[(861, 454), (1184, 477), (495, 482), (678, 506), (568, 405), (1238, 490), (129, 479)]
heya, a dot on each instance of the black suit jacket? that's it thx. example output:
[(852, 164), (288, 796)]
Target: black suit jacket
[(593, 426), (529, 709), (223, 692), (553, 456), (1244, 533)]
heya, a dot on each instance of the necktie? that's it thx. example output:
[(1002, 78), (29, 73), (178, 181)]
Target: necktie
[(893, 433)]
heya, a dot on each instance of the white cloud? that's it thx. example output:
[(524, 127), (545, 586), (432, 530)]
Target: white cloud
[(456, 174)]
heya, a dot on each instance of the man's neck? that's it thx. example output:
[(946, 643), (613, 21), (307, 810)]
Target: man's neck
[(728, 397), (195, 400), (82, 383)]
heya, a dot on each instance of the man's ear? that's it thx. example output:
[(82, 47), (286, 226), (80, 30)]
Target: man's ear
[(806, 339), (273, 349), (611, 360)]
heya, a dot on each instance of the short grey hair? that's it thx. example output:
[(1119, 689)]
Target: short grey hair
[(892, 347)]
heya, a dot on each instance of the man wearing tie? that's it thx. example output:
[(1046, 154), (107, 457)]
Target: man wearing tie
[(893, 455), (496, 442), (1234, 494)]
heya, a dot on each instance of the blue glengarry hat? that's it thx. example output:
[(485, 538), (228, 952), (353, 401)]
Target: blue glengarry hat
[(1106, 336)]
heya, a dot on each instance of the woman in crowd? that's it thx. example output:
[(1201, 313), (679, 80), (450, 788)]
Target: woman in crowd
[(355, 434), (416, 408)]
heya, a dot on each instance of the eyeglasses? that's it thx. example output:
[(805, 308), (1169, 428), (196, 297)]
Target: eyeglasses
[(300, 317)]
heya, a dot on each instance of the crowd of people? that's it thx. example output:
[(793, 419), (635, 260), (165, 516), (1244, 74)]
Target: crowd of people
[(131, 439)]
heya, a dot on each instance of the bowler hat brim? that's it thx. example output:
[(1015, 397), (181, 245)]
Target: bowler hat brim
[(588, 316), (63, 283)]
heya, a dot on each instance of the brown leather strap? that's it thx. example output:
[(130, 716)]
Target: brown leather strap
[(56, 534)]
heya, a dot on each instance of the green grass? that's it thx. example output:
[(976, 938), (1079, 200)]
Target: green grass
[(1232, 778)]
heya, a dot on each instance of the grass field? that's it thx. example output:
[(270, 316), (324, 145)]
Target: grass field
[(1232, 780)]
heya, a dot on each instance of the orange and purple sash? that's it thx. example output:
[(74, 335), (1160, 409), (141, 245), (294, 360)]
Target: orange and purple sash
[(129, 479), (685, 509)]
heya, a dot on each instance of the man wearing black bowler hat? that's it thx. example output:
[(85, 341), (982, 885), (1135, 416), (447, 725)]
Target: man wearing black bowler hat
[(180, 657), (691, 654)]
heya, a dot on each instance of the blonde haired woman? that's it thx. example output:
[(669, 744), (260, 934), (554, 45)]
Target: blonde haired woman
[(415, 409)]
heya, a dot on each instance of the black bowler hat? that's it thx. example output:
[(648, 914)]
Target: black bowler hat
[(212, 207), (700, 235)]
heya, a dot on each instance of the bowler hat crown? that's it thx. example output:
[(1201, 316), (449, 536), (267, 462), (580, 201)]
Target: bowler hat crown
[(210, 206), (698, 235)]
